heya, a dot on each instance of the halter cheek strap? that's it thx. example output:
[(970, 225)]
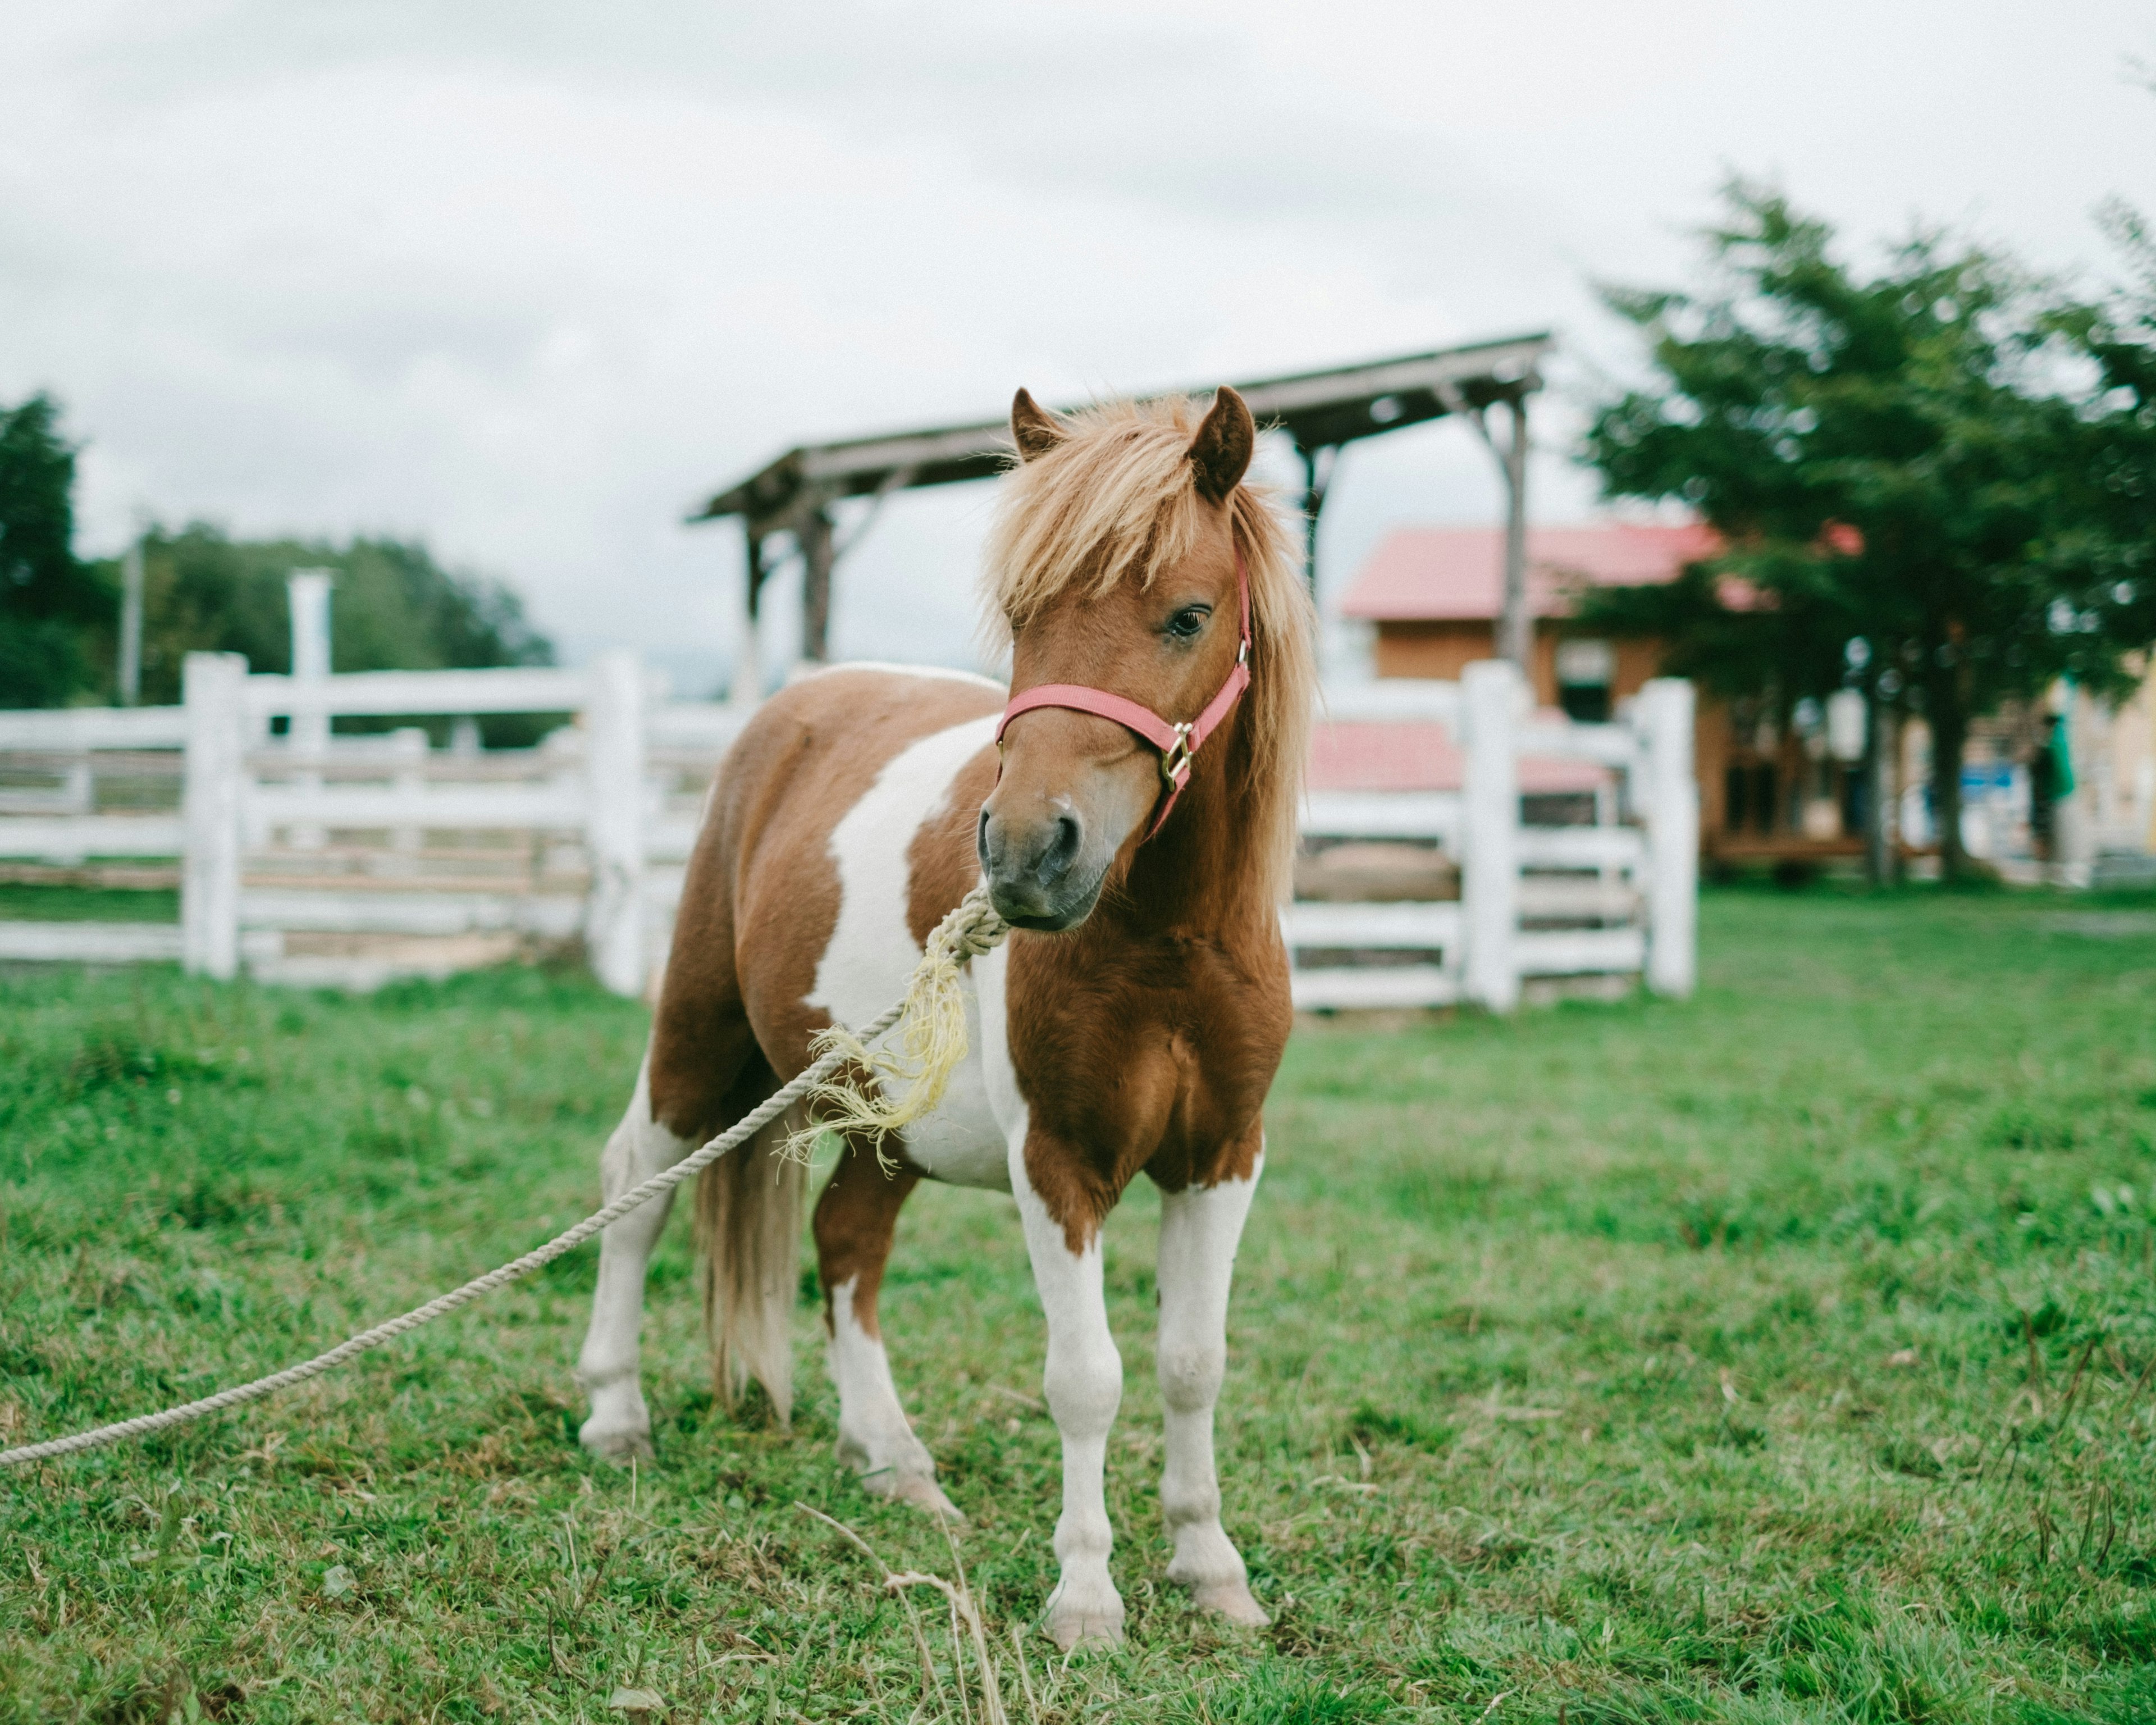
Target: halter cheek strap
[(1177, 743)]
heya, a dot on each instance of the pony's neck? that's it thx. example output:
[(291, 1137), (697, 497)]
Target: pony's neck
[(1212, 863)]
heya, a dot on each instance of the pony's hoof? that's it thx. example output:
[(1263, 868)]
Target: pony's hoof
[(620, 1444), (1232, 1600), (918, 1489), (1083, 1619)]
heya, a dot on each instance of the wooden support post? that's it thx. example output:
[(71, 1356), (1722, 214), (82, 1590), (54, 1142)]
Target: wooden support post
[(613, 767), (1662, 714), (214, 693), (1516, 633), (1318, 465), (748, 657), (818, 557), (1491, 697), (1516, 625)]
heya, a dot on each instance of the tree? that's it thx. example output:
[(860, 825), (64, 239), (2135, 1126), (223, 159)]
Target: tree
[(394, 609), (1925, 460), (48, 600)]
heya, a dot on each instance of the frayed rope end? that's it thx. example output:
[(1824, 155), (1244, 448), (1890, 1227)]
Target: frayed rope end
[(878, 1092)]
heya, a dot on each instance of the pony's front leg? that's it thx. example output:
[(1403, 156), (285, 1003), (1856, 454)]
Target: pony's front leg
[(620, 1426), (1200, 1227), (1084, 1382)]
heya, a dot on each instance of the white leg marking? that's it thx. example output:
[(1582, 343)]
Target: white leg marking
[(1084, 1375), (620, 1426), (1084, 1385), (874, 1436), (1198, 1229)]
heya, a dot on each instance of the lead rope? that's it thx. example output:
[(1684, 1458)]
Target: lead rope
[(972, 929)]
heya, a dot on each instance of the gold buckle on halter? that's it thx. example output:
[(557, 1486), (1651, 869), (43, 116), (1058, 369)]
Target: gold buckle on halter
[(1176, 758)]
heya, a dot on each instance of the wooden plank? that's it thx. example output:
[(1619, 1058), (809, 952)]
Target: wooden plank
[(445, 807), (1607, 745), (1411, 925), (1581, 848), (91, 943), (80, 836), (511, 689), (1577, 897), (709, 726), (1575, 951), (553, 916), (1394, 986), (1392, 700), (1382, 815), (95, 727)]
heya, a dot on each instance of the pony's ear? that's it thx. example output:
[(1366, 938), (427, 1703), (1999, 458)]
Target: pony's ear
[(1033, 429), (1221, 451)]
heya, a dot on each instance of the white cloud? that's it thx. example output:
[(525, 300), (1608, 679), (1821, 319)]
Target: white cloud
[(530, 279)]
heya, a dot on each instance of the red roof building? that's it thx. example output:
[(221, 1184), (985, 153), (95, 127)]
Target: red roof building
[(1432, 595), (1435, 594)]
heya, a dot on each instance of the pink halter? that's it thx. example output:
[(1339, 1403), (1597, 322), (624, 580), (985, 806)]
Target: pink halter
[(1177, 743)]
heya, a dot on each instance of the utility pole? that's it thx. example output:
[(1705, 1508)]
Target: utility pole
[(130, 618)]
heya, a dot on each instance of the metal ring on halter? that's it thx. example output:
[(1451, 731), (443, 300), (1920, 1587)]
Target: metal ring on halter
[(1175, 758)]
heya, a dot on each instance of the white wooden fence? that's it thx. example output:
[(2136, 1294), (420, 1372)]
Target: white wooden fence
[(345, 860), (1618, 896)]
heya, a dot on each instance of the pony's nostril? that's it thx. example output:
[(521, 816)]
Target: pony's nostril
[(981, 839), (1062, 849)]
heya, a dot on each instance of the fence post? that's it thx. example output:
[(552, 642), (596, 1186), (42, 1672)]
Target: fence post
[(409, 744), (613, 765), (213, 688), (1663, 716), (1490, 692), (307, 594)]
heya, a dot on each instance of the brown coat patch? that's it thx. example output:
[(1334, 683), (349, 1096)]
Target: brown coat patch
[(761, 898)]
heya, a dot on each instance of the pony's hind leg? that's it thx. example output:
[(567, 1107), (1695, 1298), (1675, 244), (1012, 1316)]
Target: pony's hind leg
[(1200, 1227), (609, 1368), (854, 1223)]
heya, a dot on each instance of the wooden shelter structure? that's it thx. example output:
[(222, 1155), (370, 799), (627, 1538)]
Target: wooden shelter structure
[(1321, 412)]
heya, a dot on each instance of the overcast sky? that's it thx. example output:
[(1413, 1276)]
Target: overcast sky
[(528, 279)]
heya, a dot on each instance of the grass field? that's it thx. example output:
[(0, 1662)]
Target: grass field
[(1786, 1355)]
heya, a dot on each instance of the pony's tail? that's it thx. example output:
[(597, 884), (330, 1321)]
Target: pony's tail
[(748, 1222)]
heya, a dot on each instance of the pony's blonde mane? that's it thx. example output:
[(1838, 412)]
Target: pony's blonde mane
[(1118, 500)]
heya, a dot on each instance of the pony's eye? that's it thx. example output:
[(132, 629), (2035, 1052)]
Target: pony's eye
[(1187, 622)]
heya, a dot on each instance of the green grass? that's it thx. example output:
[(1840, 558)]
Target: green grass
[(24, 901), (1783, 1356)]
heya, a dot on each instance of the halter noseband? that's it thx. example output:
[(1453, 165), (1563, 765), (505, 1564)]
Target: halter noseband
[(1177, 743)]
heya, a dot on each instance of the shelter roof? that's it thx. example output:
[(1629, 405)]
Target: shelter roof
[(1319, 409), (1457, 574)]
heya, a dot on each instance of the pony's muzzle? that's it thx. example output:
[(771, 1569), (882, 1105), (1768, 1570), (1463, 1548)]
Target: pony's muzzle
[(1033, 869)]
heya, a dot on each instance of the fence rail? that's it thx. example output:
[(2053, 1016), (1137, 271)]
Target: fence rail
[(293, 855), (1534, 901)]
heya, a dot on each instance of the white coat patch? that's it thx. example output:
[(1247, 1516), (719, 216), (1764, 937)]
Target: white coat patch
[(873, 951)]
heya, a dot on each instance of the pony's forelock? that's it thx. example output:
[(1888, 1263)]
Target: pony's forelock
[(1118, 500)]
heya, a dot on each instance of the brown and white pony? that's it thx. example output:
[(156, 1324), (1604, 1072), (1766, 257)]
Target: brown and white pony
[(1132, 1024)]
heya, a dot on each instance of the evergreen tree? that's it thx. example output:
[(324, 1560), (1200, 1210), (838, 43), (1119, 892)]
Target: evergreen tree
[(1923, 459), (49, 602)]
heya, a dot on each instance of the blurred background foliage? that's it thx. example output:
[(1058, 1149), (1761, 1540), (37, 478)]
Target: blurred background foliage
[(395, 608)]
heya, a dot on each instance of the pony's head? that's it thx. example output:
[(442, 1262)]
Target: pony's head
[(1112, 565)]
